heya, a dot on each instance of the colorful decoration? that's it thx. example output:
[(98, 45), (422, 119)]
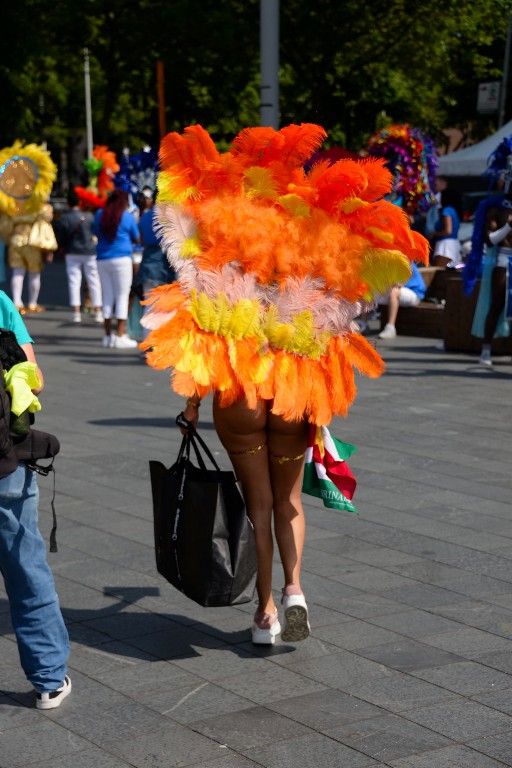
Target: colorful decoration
[(273, 266), (412, 159), (27, 173), (102, 168), (499, 161), (137, 171)]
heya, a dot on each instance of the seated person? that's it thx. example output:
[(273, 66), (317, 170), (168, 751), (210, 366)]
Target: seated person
[(445, 237), (408, 295)]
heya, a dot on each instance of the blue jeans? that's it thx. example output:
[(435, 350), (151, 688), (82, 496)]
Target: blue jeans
[(43, 641)]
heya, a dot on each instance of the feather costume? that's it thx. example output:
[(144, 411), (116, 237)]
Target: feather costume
[(273, 266), (412, 159), (101, 167), (27, 173)]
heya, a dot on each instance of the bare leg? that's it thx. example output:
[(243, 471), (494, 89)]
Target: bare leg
[(242, 431), (121, 327), (393, 304), (440, 261), (287, 443), (498, 297)]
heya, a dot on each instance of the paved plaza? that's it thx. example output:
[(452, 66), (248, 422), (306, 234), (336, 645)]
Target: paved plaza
[(410, 660)]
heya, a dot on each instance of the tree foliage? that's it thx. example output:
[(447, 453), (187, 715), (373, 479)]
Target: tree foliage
[(347, 65)]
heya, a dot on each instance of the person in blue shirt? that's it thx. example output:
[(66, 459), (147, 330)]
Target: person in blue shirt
[(154, 268), (445, 237), (408, 295), (117, 233)]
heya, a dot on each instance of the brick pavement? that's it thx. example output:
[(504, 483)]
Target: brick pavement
[(409, 664)]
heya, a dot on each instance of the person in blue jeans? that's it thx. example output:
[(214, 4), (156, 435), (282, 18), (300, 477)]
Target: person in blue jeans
[(41, 634)]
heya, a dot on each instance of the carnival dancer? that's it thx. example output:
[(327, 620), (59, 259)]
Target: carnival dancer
[(273, 265), (491, 253), (27, 173)]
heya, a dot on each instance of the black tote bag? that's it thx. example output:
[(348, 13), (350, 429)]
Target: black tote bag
[(204, 541)]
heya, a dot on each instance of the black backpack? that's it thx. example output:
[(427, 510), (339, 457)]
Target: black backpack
[(18, 441)]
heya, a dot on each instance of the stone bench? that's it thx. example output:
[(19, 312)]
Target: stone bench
[(427, 319)]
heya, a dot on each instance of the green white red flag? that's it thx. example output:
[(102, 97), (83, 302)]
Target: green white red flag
[(326, 473)]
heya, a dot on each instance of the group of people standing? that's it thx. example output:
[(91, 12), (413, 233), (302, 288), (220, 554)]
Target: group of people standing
[(101, 246)]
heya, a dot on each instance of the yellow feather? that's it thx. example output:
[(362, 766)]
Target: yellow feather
[(295, 205), (382, 269), (225, 313), (259, 182), (352, 204), (190, 248), (245, 320)]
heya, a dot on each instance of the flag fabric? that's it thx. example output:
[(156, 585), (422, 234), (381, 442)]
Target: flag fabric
[(326, 473)]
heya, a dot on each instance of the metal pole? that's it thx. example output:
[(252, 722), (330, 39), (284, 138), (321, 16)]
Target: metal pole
[(88, 111), (504, 79), (161, 97), (269, 66)]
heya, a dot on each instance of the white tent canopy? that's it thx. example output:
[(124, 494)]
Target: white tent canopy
[(472, 161)]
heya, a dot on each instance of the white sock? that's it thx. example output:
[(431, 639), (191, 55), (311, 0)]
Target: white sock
[(34, 286), (17, 278)]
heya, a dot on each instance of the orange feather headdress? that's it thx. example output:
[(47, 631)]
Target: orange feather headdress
[(273, 265)]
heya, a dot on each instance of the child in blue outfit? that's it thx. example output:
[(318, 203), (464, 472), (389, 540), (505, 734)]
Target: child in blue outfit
[(408, 295)]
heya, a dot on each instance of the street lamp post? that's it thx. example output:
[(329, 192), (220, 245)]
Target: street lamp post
[(269, 66), (504, 79), (88, 111)]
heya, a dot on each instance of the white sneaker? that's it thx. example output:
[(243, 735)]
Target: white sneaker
[(98, 317), (52, 699), (124, 342), (76, 317), (108, 341), (485, 358), (296, 624), (265, 629), (388, 332)]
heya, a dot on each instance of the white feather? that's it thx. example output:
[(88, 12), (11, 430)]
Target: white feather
[(154, 320), (173, 228)]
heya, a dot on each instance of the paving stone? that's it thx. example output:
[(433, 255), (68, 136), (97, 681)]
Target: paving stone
[(250, 728), (415, 623), (34, 743), (194, 702), (449, 757), (499, 747), (270, 684), (89, 758), (388, 738), (309, 752), (469, 643), (219, 663), (229, 760), (408, 655), (341, 669), (500, 700), (168, 747), (354, 634), (398, 692), (14, 715), (462, 720), (466, 677), (325, 710)]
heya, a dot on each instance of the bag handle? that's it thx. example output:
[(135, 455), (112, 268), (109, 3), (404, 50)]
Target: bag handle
[(190, 439)]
